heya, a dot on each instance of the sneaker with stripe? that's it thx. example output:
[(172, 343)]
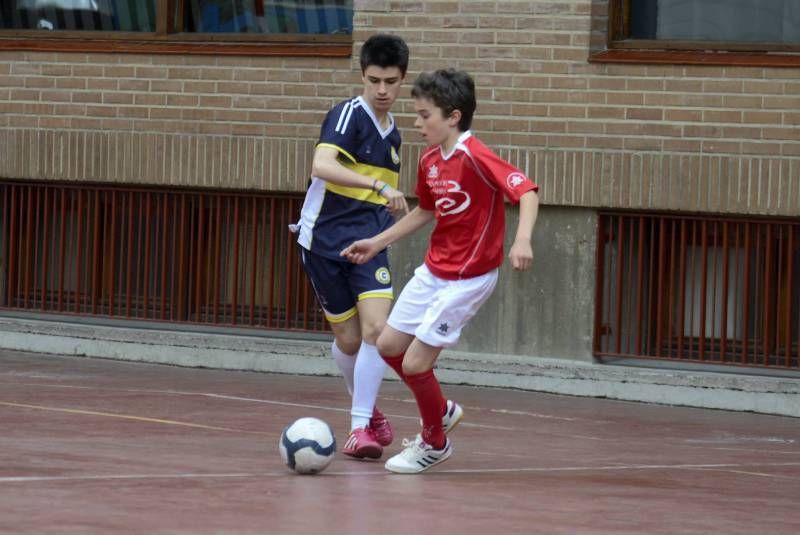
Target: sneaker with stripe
[(452, 416), (381, 428), (362, 444), (417, 457)]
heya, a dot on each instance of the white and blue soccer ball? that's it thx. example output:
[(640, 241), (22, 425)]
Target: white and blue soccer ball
[(307, 445)]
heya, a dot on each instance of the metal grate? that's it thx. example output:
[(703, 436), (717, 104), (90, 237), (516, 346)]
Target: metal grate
[(700, 289), (170, 256)]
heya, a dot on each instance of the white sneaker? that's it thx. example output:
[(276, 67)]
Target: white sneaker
[(417, 457), (452, 415)]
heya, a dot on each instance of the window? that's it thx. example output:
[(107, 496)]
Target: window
[(253, 27), (180, 256), (727, 32), (698, 289), (81, 15)]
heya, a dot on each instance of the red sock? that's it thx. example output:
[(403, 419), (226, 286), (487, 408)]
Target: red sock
[(430, 401), (396, 363)]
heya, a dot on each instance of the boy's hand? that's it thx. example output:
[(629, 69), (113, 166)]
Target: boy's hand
[(521, 255), (361, 251), (397, 201)]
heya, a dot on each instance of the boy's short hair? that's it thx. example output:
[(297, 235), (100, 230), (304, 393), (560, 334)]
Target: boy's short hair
[(384, 51), (449, 90)]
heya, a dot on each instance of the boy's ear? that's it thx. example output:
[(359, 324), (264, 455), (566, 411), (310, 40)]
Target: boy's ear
[(454, 118)]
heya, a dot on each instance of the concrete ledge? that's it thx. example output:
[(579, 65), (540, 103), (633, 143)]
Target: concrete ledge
[(769, 395)]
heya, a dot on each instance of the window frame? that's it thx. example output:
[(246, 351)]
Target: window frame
[(164, 41), (622, 49)]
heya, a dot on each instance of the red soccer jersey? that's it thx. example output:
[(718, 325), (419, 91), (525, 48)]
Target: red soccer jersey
[(465, 189)]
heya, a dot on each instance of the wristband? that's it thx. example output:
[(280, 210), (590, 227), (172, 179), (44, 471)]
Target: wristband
[(374, 183), (380, 191)]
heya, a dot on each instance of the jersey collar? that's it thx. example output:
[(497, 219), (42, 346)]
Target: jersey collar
[(383, 132), (459, 144)]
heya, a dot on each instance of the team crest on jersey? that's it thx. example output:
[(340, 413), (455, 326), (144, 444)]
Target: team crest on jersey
[(382, 275), (395, 156), (515, 179), (433, 172)]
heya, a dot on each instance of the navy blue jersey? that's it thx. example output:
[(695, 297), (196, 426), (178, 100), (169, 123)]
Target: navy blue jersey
[(334, 216)]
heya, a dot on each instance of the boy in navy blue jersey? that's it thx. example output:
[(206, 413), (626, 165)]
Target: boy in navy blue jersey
[(353, 195)]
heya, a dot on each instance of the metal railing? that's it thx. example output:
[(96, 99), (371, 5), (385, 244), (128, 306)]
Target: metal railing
[(701, 289), (139, 253)]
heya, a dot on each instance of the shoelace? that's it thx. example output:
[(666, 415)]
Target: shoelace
[(413, 446)]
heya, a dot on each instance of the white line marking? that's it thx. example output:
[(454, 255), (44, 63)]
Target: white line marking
[(607, 468), (532, 414), (614, 468), (742, 472), (254, 400)]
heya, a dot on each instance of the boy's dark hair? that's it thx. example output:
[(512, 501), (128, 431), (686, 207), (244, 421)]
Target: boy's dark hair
[(384, 51), (449, 90)]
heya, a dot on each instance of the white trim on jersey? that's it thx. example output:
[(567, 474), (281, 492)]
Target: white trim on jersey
[(342, 115), (347, 113), (312, 205)]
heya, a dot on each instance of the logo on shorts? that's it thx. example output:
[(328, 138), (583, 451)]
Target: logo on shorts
[(442, 328), (395, 156), (515, 179), (382, 275)]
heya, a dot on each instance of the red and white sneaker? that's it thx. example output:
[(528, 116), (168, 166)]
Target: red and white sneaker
[(362, 444), (381, 428)]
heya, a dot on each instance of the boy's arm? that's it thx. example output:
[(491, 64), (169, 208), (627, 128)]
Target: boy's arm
[(326, 166), (521, 254), (362, 251)]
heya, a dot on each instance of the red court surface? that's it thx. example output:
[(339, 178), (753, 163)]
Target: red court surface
[(97, 446)]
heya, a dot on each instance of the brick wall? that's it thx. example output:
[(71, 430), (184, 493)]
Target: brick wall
[(695, 138)]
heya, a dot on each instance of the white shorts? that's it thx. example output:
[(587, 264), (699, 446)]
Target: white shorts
[(436, 310)]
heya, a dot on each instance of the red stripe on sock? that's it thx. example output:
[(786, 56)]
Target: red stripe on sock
[(430, 401)]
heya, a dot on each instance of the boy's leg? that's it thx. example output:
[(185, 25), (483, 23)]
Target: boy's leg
[(329, 279), (392, 345), (431, 447), (369, 366), (418, 369), (347, 341)]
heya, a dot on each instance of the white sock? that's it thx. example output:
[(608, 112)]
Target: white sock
[(368, 376), (346, 364)]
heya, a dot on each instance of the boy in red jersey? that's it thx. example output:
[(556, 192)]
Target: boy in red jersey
[(460, 183)]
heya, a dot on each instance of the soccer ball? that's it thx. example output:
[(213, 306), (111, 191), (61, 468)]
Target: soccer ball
[(307, 445)]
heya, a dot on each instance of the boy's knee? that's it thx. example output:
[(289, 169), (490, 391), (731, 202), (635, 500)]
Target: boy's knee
[(349, 344), (415, 366), (389, 346), (371, 331)]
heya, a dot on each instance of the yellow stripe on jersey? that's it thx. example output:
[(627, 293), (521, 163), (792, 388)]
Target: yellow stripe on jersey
[(340, 149), (372, 171), (363, 194)]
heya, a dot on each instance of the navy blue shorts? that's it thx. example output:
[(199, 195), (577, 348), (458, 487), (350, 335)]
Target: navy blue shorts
[(340, 284)]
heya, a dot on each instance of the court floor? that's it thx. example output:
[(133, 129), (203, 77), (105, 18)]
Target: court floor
[(99, 446)]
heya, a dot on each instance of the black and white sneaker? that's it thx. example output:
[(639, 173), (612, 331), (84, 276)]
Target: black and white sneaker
[(417, 457), (452, 415)]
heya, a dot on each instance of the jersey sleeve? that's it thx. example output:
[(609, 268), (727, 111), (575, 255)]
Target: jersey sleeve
[(340, 129), (423, 192), (511, 180)]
